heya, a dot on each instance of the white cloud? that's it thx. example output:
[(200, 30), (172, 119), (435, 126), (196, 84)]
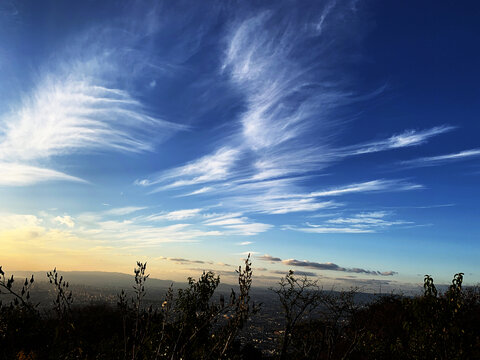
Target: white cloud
[(373, 214), (248, 229), (76, 107), (14, 221), (319, 27), (245, 243), (235, 224), (368, 186), (175, 215), (282, 103), (135, 234), (318, 229), (65, 220), (124, 210), (406, 139), (366, 222), (209, 168), (285, 206), (283, 109), (278, 197), (64, 115), (202, 190), (212, 217), (15, 174), (228, 221), (438, 160), (279, 164)]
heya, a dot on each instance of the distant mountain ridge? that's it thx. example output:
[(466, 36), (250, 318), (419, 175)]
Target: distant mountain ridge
[(108, 280), (103, 279)]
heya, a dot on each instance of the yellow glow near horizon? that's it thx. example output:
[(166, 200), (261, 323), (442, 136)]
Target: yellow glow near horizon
[(35, 248)]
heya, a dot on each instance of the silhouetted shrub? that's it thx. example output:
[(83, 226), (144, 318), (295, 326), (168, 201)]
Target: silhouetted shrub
[(191, 324)]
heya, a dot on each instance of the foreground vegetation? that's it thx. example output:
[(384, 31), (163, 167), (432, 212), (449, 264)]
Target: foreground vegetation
[(190, 324)]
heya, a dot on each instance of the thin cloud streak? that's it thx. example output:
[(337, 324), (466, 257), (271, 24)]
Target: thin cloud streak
[(245, 243), (296, 272), (323, 266), (373, 221), (202, 190), (441, 159), (317, 229), (15, 174), (366, 222), (235, 224), (124, 210), (369, 186), (406, 139), (175, 215), (184, 261), (282, 199)]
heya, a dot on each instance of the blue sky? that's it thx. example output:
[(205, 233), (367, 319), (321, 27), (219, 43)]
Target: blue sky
[(335, 138)]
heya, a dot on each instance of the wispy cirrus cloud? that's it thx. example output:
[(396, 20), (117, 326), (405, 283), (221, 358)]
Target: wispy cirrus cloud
[(79, 104), (65, 115), (320, 229), (124, 210), (17, 174), (281, 102), (370, 220), (209, 168), (279, 197), (248, 228), (406, 139), (442, 159), (136, 234), (369, 186), (236, 224), (202, 190), (365, 222), (175, 215), (286, 129), (188, 224), (275, 205)]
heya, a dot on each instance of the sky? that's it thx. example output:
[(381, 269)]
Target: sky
[(339, 139)]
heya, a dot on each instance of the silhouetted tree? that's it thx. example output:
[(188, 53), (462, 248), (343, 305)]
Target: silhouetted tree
[(298, 297)]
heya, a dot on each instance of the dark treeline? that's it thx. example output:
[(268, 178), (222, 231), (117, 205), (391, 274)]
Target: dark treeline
[(193, 324)]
